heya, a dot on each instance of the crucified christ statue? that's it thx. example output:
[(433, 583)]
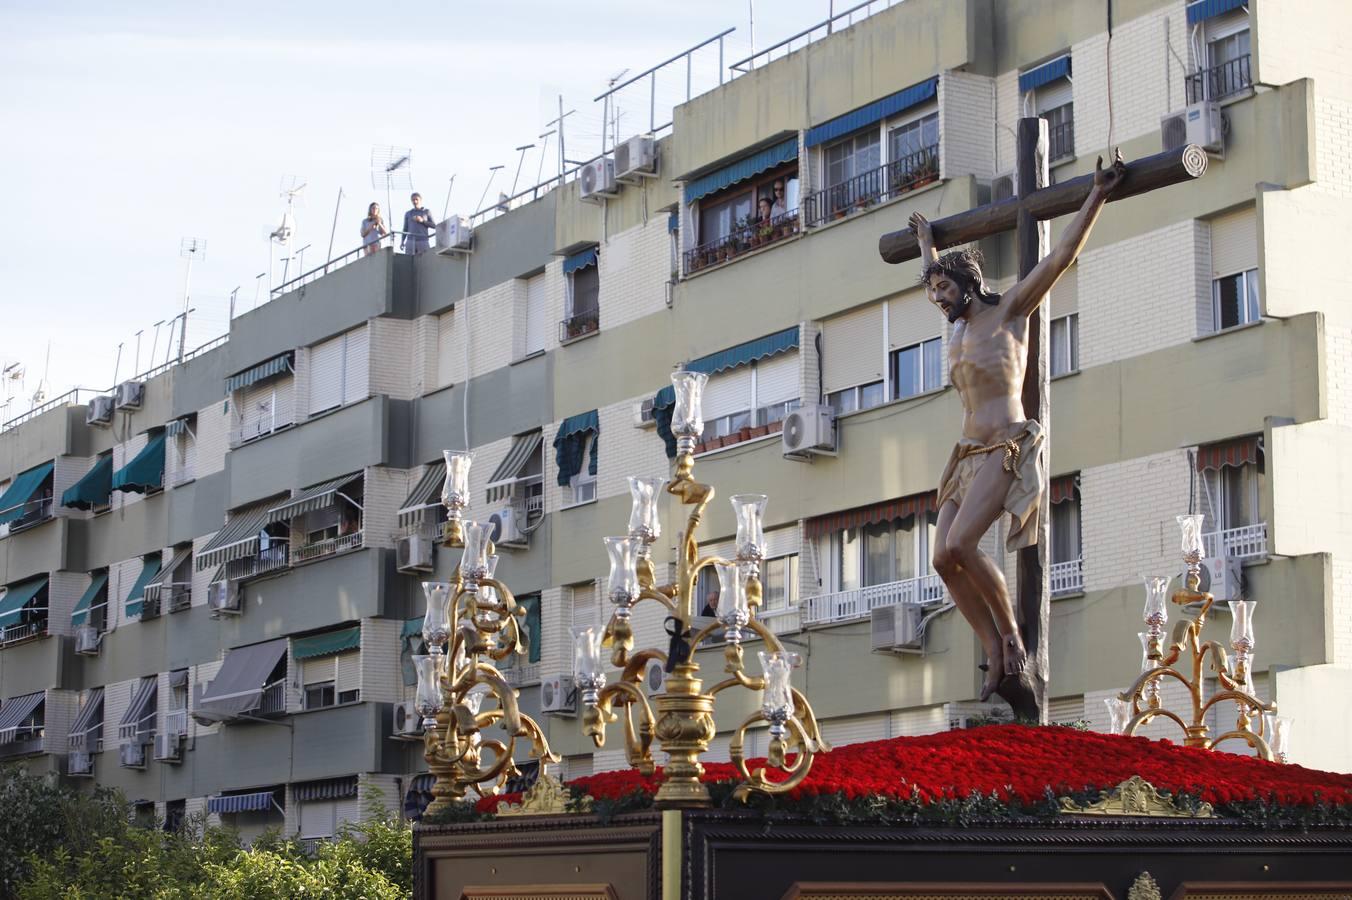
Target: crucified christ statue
[(999, 464)]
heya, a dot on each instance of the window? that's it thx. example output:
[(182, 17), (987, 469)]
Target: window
[(319, 695), (532, 317), (853, 156), (779, 583), (1225, 68), (718, 219), (917, 369), (1234, 300), (918, 137), (583, 483), (339, 371), (1065, 530), (1232, 497), (746, 215), (882, 553), (865, 396), (1060, 131), (584, 310), (1065, 344)]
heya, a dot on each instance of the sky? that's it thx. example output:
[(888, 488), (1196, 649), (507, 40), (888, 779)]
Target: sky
[(131, 127)]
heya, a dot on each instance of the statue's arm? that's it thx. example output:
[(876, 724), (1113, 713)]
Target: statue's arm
[(924, 236), (1025, 296)]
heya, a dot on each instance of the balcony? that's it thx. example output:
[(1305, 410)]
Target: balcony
[(879, 185), (328, 547), (268, 560), (173, 596), (176, 722), (1066, 577), (522, 674), (1245, 542), (1219, 82), (578, 326), (255, 430), (749, 235), (273, 700), (26, 631), (21, 740), (848, 606), (35, 512)]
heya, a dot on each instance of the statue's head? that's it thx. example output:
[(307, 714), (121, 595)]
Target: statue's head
[(954, 280)]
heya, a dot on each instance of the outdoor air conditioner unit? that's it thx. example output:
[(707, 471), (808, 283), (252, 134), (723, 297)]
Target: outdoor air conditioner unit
[(1003, 187), (132, 754), (407, 722), (413, 553), (636, 158), (79, 762), (504, 527), (454, 233), (167, 748), (87, 639), (643, 414), (223, 597), (1199, 123), (100, 411), (557, 695), (1220, 577), (597, 179), (809, 429), (655, 677), (130, 394), (896, 629)]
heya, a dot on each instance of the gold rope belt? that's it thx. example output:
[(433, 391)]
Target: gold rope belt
[(1009, 446)]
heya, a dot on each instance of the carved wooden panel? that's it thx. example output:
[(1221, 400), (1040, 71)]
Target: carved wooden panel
[(1280, 891), (930, 891), (540, 892)]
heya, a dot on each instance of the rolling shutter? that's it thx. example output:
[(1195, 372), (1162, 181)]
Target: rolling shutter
[(326, 375), (728, 392), (781, 542), (1234, 243), (317, 671), (777, 379), (535, 314), (318, 818), (1065, 294), (586, 608), (911, 318), (1054, 94), (356, 365), (348, 677), (855, 729), (852, 349)]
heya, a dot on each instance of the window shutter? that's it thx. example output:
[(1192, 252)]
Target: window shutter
[(852, 349), (1053, 94), (777, 379), (326, 375), (318, 818), (317, 671), (1234, 243), (911, 318), (255, 410), (727, 392), (357, 365), (1065, 294), (781, 542), (855, 729), (535, 314), (1064, 710), (348, 677), (586, 608), (445, 349)]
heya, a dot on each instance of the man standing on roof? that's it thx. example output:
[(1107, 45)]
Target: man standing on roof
[(417, 223)]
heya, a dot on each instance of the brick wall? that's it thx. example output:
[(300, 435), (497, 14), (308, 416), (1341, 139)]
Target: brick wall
[(65, 472), (449, 354), (121, 577), (490, 316), (1008, 109), (201, 675), (304, 375), (392, 367), (385, 790), (64, 590), (59, 711), (384, 492), (423, 356), (809, 362), (556, 640), (213, 437), (1127, 512), (116, 699), (381, 677), (634, 268), (201, 580), (966, 145)]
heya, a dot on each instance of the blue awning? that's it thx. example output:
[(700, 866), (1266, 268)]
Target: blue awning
[(260, 801), (93, 489), (149, 570), (874, 112), (579, 261), (328, 789), (14, 504), (742, 169), (570, 441), (741, 355), (1045, 74), (274, 366), (146, 471), (1207, 9), (80, 614), (17, 597), (177, 427)]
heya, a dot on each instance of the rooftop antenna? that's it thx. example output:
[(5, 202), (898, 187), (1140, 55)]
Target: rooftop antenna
[(233, 294), (522, 150), (391, 167), (154, 343), (117, 364), (540, 173), (492, 173), (189, 249), (258, 284), (292, 189), (563, 159), (447, 205), (136, 367), (332, 231), (606, 117), (41, 393)]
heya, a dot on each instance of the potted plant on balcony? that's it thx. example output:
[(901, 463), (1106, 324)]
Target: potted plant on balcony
[(925, 173)]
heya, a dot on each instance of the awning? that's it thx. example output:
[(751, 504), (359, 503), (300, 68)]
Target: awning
[(1238, 452), (874, 112), (166, 574), (142, 707), (424, 494), (94, 488), (146, 471), (259, 801), (274, 366), (327, 644), (15, 710), (91, 714), (178, 678), (328, 789), (21, 490), (903, 508), (410, 636), (312, 498), (239, 684), (569, 442), (86, 602), (238, 539), (744, 168), (1045, 74), (17, 597), (177, 427), (148, 571), (579, 261), (524, 446), (1064, 488), (1206, 9), (418, 795)]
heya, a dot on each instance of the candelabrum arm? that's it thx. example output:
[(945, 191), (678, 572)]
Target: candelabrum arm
[(1253, 703), (637, 744), (779, 751)]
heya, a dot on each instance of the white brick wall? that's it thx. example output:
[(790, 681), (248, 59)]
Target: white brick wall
[(383, 789), (116, 699), (556, 647), (121, 577), (966, 144), (213, 437), (381, 676), (393, 369), (423, 356), (1008, 109), (385, 490), (1333, 147), (490, 319), (634, 268), (201, 674), (809, 375), (201, 580), (66, 471), (1127, 523), (64, 590), (59, 711)]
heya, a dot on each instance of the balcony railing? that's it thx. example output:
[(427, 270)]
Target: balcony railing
[(90, 741), (1219, 82), (273, 700), (1066, 577), (519, 674), (845, 606), (254, 430), (275, 557), (579, 325), (744, 238), (1245, 542), (883, 183), (1061, 141), (34, 512), (21, 740), (327, 547), (176, 722), (26, 631)]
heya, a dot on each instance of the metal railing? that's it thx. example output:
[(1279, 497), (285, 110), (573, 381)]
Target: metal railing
[(807, 36), (1244, 542), (252, 432), (579, 325), (142, 730), (519, 674), (176, 722), (327, 547), (394, 239), (16, 634), (1066, 577), (1061, 140), (782, 621), (275, 557), (1219, 82), (34, 512), (875, 186), (273, 699), (744, 238), (21, 740), (844, 606), (81, 740)]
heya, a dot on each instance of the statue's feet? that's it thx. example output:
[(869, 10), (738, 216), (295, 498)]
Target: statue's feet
[(1015, 656), (992, 680)]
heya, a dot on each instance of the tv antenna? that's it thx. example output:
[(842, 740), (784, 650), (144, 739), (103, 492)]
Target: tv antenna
[(522, 150), (189, 249), (540, 173), (391, 167), (41, 393), (610, 116), (292, 189), (447, 205), (492, 173), (563, 158)]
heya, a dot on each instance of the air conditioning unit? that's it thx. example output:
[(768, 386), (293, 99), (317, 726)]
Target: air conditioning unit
[(896, 629), (87, 640), (636, 158), (167, 748), (1199, 123), (130, 394), (132, 755), (100, 411), (809, 429), (655, 677), (643, 414), (1003, 187), (597, 179), (407, 722), (79, 762), (413, 553), (557, 695), (223, 598), (454, 233), (1220, 577), (504, 527)]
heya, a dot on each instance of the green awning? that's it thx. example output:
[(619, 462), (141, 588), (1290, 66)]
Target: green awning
[(148, 571), (569, 442), (82, 609), (410, 642), (275, 366), (327, 644), (411, 627), (14, 504), (146, 471), (312, 498), (17, 597), (94, 488)]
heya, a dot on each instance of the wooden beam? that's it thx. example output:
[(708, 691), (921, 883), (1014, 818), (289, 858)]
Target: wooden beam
[(1143, 175)]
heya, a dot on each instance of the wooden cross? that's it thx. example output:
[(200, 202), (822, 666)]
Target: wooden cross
[(1028, 213)]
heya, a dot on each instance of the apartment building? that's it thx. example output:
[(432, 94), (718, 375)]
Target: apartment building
[(212, 579)]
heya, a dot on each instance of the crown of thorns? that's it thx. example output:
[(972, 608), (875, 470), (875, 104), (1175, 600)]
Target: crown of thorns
[(963, 266)]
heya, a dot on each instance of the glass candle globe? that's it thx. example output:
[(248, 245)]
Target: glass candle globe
[(455, 492), (474, 563), (688, 418), (622, 583), (1241, 625), (644, 523), (1279, 734), (1191, 528), (427, 699), (588, 662), (1119, 713), (749, 512), (777, 699), (437, 620), (733, 611), (1156, 598)]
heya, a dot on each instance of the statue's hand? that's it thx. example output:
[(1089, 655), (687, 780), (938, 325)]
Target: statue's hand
[(1108, 180), (921, 226)]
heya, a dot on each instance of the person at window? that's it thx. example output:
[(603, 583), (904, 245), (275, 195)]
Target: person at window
[(764, 214), (417, 223), (779, 202), (372, 229), (711, 601)]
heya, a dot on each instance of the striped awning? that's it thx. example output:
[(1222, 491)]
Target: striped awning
[(524, 446), (14, 503), (91, 714), (17, 597), (85, 604), (579, 260), (15, 710), (1207, 9), (258, 801), (238, 539), (141, 710), (327, 644), (1045, 74), (178, 426), (166, 574), (135, 599), (424, 494), (742, 169), (312, 498), (1064, 488), (902, 508), (1238, 452), (94, 488), (327, 789), (275, 366), (874, 112)]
